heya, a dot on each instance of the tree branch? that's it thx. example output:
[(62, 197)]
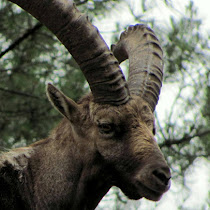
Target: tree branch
[(19, 93), (21, 38), (184, 139), (28, 33)]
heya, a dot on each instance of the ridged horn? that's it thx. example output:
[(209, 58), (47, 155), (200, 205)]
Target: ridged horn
[(140, 45), (85, 44)]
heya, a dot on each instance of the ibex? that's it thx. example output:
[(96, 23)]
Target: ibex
[(107, 138)]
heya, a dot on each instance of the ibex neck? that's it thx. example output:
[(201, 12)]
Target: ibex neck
[(74, 177), (90, 189)]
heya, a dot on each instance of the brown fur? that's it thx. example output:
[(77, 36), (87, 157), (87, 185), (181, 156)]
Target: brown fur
[(78, 163)]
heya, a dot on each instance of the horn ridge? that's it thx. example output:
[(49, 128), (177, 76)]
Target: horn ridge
[(140, 45)]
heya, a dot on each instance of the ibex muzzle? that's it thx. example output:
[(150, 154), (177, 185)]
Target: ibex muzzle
[(107, 138)]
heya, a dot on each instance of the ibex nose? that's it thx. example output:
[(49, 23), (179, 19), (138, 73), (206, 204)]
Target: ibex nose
[(163, 174)]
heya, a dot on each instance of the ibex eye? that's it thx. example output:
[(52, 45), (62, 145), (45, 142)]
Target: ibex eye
[(106, 128)]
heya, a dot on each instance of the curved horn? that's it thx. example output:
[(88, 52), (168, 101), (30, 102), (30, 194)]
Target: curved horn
[(143, 49), (85, 44)]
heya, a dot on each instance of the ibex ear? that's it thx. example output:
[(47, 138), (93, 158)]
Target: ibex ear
[(66, 106)]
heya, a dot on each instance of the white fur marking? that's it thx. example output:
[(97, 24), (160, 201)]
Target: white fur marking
[(18, 158)]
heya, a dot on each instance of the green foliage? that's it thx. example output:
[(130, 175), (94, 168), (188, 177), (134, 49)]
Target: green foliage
[(187, 61), (206, 114), (24, 71), (184, 48)]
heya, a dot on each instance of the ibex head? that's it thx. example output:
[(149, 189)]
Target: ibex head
[(119, 118), (113, 127)]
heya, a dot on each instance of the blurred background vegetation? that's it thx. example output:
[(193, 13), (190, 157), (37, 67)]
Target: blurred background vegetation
[(30, 57)]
